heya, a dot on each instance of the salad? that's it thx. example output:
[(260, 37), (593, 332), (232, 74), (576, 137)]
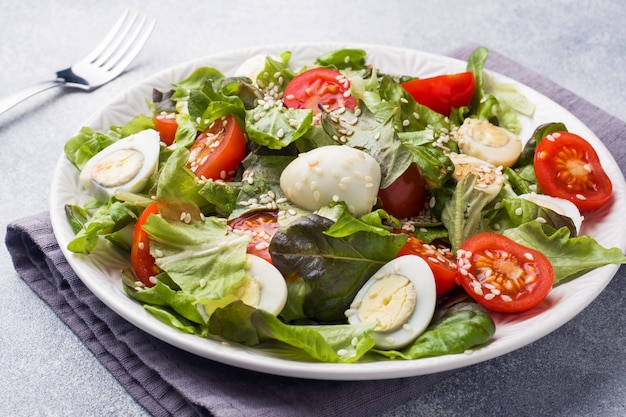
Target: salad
[(335, 213)]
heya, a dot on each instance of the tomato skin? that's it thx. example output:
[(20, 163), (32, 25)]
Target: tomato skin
[(405, 196), (165, 123), (142, 261), (319, 86), (502, 275), (443, 92), (262, 225), (567, 166), (440, 259), (218, 150)]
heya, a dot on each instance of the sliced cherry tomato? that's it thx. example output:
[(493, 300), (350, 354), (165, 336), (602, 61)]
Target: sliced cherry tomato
[(218, 150), (261, 225), (405, 196), (319, 86), (503, 275), (440, 259), (165, 123), (568, 167), (142, 261), (443, 92)]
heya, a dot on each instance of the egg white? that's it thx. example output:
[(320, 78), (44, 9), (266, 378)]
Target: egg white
[(264, 288), (417, 271), (331, 174), (126, 165), (558, 205)]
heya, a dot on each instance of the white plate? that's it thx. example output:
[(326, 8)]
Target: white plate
[(101, 272)]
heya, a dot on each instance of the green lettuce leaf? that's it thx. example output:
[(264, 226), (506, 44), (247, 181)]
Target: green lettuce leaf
[(276, 126), (513, 212), (240, 323), (107, 219), (379, 139), (343, 59), (462, 215), (324, 272), (86, 144), (200, 257), (570, 257)]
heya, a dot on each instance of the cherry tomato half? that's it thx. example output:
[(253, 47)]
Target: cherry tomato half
[(218, 150), (405, 196), (568, 167), (165, 123), (319, 86), (261, 225), (142, 261), (440, 259), (443, 92), (503, 275)]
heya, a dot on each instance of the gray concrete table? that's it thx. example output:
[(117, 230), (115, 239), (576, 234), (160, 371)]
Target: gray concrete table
[(45, 370)]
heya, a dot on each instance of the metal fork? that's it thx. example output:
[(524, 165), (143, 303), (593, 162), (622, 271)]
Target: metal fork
[(108, 60)]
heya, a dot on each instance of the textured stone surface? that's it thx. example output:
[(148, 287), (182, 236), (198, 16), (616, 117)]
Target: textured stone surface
[(45, 369)]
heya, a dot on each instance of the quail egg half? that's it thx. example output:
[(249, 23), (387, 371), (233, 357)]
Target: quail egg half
[(126, 165), (400, 299), (332, 173), (263, 287)]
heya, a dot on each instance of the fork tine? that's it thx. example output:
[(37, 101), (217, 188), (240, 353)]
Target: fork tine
[(124, 44), (106, 41), (132, 47)]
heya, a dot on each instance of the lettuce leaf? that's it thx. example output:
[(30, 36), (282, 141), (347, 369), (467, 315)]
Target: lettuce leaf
[(200, 257), (240, 323), (513, 212), (462, 215), (324, 273), (108, 218), (570, 257)]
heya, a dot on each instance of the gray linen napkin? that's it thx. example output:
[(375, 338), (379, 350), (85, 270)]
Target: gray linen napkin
[(169, 381)]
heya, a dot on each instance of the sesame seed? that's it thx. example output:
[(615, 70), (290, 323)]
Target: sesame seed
[(342, 352), (202, 283), (581, 197)]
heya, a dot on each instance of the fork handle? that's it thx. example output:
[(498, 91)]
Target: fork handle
[(8, 102)]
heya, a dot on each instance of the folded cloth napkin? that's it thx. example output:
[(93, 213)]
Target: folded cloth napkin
[(169, 381)]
